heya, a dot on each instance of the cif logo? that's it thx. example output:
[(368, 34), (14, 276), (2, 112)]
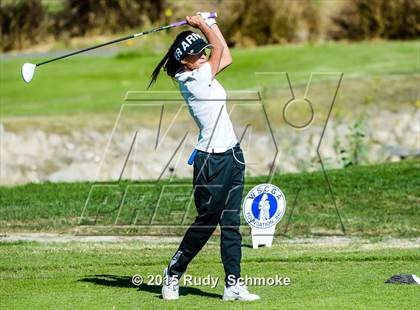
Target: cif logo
[(264, 206)]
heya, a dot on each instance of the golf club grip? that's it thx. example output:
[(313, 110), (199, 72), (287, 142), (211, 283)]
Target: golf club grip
[(207, 15), (184, 22)]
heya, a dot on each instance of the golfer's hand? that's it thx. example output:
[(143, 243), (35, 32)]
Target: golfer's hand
[(195, 21), (210, 21)]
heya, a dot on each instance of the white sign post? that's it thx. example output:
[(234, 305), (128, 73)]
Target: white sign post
[(262, 236), (263, 207)]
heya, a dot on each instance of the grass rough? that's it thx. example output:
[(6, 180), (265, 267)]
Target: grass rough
[(374, 201)]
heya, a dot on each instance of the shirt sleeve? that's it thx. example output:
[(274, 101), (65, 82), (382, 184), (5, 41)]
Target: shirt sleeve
[(203, 74)]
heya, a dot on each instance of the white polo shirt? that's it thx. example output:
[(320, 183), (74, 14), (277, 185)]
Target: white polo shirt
[(206, 100)]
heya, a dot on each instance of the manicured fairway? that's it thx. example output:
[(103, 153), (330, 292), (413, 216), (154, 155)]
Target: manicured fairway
[(98, 276), (97, 84)]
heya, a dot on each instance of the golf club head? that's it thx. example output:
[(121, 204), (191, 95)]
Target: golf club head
[(28, 71)]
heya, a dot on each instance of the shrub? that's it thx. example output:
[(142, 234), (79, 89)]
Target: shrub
[(366, 19), (22, 23), (80, 17), (25, 22), (262, 22)]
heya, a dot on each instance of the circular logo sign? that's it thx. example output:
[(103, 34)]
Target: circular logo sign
[(264, 206)]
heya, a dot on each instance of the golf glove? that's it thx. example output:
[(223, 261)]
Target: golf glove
[(209, 21)]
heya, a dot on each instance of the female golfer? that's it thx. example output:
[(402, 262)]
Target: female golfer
[(218, 163)]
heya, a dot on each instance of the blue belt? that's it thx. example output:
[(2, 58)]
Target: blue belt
[(192, 156), (194, 152)]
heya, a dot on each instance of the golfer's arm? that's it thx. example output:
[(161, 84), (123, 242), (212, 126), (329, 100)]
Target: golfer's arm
[(226, 59), (217, 51)]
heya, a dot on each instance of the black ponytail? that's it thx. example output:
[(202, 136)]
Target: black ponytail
[(156, 72), (169, 62)]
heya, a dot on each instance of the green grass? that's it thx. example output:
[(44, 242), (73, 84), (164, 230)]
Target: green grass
[(374, 201), (98, 276), (97, 85)]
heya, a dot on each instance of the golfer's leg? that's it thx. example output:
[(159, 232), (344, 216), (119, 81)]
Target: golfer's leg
[(194, 239), (230, 241), (209, 200)]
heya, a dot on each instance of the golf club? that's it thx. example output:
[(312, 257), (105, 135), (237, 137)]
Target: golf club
[(28, 69)]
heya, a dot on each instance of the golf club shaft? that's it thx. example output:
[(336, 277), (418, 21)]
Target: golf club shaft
[(212, 15), (85, 50)]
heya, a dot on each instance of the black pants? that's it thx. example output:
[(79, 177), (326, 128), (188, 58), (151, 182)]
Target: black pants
[(218, 187)]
